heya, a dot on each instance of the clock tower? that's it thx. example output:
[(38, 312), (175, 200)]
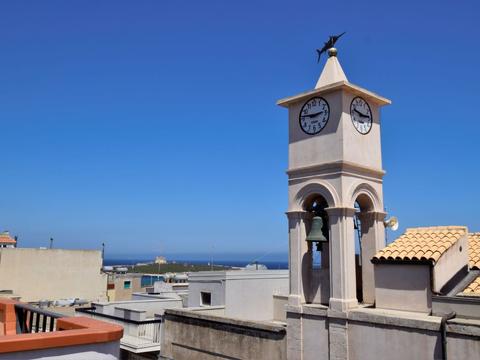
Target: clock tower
[(334, 173)]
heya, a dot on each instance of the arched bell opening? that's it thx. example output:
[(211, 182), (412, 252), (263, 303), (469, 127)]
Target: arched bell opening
[(363, 205), (318, 233), (317, 222)]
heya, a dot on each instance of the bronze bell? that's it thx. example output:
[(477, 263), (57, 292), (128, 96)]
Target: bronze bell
[(316, 234)]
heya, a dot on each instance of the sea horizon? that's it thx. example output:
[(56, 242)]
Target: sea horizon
[(270, 264)]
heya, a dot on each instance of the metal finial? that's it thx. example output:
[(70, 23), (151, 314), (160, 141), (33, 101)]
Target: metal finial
[(332, 52)]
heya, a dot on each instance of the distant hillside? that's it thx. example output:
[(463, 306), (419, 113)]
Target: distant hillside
[(174, 267)]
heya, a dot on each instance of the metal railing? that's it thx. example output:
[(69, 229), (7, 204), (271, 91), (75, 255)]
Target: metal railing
[(31, 319)]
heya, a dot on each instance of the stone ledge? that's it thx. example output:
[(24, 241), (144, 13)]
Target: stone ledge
[(335, 167), (396, 318), (315, 310), (335, 314), (270, 327), (293, 309), (411, 320), (308, 309), (468, 327)]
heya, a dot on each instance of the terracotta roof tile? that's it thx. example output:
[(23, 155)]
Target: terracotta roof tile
[(426, 244), (474, 250), (5, 238), (473, 289)]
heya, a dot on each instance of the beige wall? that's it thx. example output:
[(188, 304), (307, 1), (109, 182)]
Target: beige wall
[(52, 274), (450, 263), (279, 303), (120, 293), (373, 341), (315, 332), (249, 294), (463, 347), (320, 286), (403, 287)]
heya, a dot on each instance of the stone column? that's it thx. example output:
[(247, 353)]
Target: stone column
[(343, 294), (373, 239), (298, 249)]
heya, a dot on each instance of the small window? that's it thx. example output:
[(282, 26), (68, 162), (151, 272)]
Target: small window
[(127, 284), (206, 298)]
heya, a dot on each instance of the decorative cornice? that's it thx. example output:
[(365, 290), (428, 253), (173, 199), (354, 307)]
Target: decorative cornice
[(296, 214), (340, 85), (177, 314), (340, 211), (375, 215), (336, 167)]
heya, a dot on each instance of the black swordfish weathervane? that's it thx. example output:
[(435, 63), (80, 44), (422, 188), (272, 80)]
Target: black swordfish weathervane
[(328, 45)]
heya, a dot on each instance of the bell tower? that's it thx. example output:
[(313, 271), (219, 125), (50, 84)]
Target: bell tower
[(334, 182)]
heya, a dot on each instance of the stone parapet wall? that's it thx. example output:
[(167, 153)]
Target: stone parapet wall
[(315, 332), (193, 335)]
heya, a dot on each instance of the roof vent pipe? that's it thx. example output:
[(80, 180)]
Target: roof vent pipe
[(443, 330)]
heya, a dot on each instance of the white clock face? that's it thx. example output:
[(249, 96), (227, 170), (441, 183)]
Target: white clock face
[(361, 115), (314, 115)]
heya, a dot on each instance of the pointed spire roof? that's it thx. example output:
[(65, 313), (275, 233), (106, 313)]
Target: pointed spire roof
[(332, 71), (331, 79)]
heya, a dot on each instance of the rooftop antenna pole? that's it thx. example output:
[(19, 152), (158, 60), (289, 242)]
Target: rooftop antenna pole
[(386, 232), (51, 243), (211, 258), (159, 261), (103, 252)]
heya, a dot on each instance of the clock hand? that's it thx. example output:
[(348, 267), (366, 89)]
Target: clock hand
[(313, 115), (361, 114)]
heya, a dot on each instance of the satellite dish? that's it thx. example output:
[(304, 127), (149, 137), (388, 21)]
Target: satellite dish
[(391, 223)]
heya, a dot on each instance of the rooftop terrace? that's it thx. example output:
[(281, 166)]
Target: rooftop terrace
[(27, 332)]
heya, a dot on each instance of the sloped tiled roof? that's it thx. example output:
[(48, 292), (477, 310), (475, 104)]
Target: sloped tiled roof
[(421, 244), (5, 238), (473, 289), (474, 250)]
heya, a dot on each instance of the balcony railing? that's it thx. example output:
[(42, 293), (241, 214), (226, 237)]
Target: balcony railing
[(138, 335), (31, 319)]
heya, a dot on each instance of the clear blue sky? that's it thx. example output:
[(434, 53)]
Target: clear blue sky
[(152, 125)]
